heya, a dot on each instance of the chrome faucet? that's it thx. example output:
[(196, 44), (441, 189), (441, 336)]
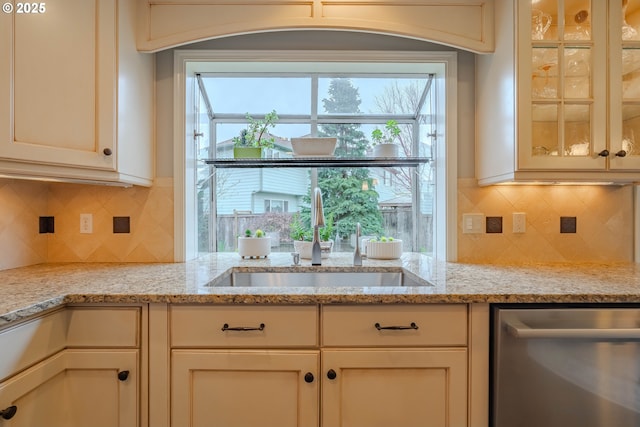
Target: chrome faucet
[(357, 257), (317, 221)]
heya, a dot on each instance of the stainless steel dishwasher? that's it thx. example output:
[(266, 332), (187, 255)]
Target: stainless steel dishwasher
[(565, 367)]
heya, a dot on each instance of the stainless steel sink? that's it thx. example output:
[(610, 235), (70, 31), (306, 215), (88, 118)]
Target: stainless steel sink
[(317, 279)]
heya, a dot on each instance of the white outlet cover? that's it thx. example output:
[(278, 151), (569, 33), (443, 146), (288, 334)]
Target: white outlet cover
[(86, 223), (519, 222)]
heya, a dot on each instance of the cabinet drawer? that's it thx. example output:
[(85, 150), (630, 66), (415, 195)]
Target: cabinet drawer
[(103, 326), (204, 326), (31, 341), (355, 325)]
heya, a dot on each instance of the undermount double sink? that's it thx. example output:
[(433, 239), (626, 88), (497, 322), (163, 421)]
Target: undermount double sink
[(317, 279)]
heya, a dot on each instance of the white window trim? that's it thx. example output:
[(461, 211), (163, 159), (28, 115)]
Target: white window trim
[(445, 215)]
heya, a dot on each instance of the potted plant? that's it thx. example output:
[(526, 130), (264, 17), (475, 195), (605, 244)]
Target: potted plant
[(303, 236), (384, 140), (255, 137), (254, 245), (384, 248)]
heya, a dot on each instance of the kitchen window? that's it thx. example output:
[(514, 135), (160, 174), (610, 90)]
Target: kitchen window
[(381, 88)]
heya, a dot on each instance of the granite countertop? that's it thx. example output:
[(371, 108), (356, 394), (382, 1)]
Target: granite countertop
[(30, 290)]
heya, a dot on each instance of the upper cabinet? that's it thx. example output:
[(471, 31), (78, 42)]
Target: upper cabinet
[(76, 98), (467, 24), (556, 102)]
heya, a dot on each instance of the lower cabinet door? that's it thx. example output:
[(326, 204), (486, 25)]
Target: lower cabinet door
[(382, 388), (244, 388), (75, 388)]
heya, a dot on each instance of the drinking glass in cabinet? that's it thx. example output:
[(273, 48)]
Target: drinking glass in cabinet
[(577, 130), (578, 24), (577, 71), (540, 23), (544, 78), (544, 128)]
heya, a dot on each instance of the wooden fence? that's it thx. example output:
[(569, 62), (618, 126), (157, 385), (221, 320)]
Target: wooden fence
[(397, 222)]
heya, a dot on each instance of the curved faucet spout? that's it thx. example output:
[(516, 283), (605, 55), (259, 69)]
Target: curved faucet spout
[(318, 209), (318, 221)]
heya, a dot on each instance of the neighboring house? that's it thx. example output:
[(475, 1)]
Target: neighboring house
[(260, 190)]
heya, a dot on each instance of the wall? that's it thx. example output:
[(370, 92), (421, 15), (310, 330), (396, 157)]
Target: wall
[(604, 213)]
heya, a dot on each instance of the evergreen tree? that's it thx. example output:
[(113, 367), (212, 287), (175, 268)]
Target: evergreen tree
[(342, 188)]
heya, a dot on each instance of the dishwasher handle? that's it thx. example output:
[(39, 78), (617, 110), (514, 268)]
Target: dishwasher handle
[(518, 329)]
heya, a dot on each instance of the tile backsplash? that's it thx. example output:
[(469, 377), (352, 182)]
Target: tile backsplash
[(21, 205), (603, 219), (23, 202), (604, 223)]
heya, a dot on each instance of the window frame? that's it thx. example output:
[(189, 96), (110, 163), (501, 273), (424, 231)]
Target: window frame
[(185, 61)]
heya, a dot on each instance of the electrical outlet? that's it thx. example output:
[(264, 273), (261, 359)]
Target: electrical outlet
[(121, 224), (519, 222), (86, 223), (494, 224), (472, 223), (568, 224)]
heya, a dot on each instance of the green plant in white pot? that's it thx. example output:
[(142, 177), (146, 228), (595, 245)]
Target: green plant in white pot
[(302, 237), (255, 137), (384, 140), (254, 245)]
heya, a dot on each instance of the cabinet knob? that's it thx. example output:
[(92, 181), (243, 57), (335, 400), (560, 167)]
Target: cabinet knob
[(8, 413), (331, 374), (308, 377), (604, 153), (621, 153), (107, 151), (123, 375)]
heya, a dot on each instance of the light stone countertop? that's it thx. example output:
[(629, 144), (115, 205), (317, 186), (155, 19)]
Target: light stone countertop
[(31, 290)]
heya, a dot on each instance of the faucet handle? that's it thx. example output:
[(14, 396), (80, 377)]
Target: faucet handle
[(296, 258)]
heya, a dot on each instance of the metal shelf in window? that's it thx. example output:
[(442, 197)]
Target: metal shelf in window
[(319, 162)]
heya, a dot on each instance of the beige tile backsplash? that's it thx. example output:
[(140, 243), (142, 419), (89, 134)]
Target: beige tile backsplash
[(23, 202), (604, 223), (604, 217)]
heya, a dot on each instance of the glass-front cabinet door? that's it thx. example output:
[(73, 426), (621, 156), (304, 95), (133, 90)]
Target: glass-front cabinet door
[(624, 121), (563, 85)]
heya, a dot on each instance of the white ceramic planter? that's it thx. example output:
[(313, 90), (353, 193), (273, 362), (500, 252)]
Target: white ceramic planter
[(313, 147), (384, 250), (305, 248), (254, 247), (385, 150)]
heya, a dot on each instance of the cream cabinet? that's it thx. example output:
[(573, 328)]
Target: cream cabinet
[(399, 365), (244, 366), (76, 98), (327, 365), (555, 102), (77, 366)]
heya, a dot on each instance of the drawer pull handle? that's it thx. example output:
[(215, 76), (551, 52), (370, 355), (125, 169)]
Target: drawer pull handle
[(396, 328), (8, 413), (226, 327)]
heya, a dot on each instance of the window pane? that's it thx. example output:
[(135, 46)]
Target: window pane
[(375, 95), (259, 94)]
